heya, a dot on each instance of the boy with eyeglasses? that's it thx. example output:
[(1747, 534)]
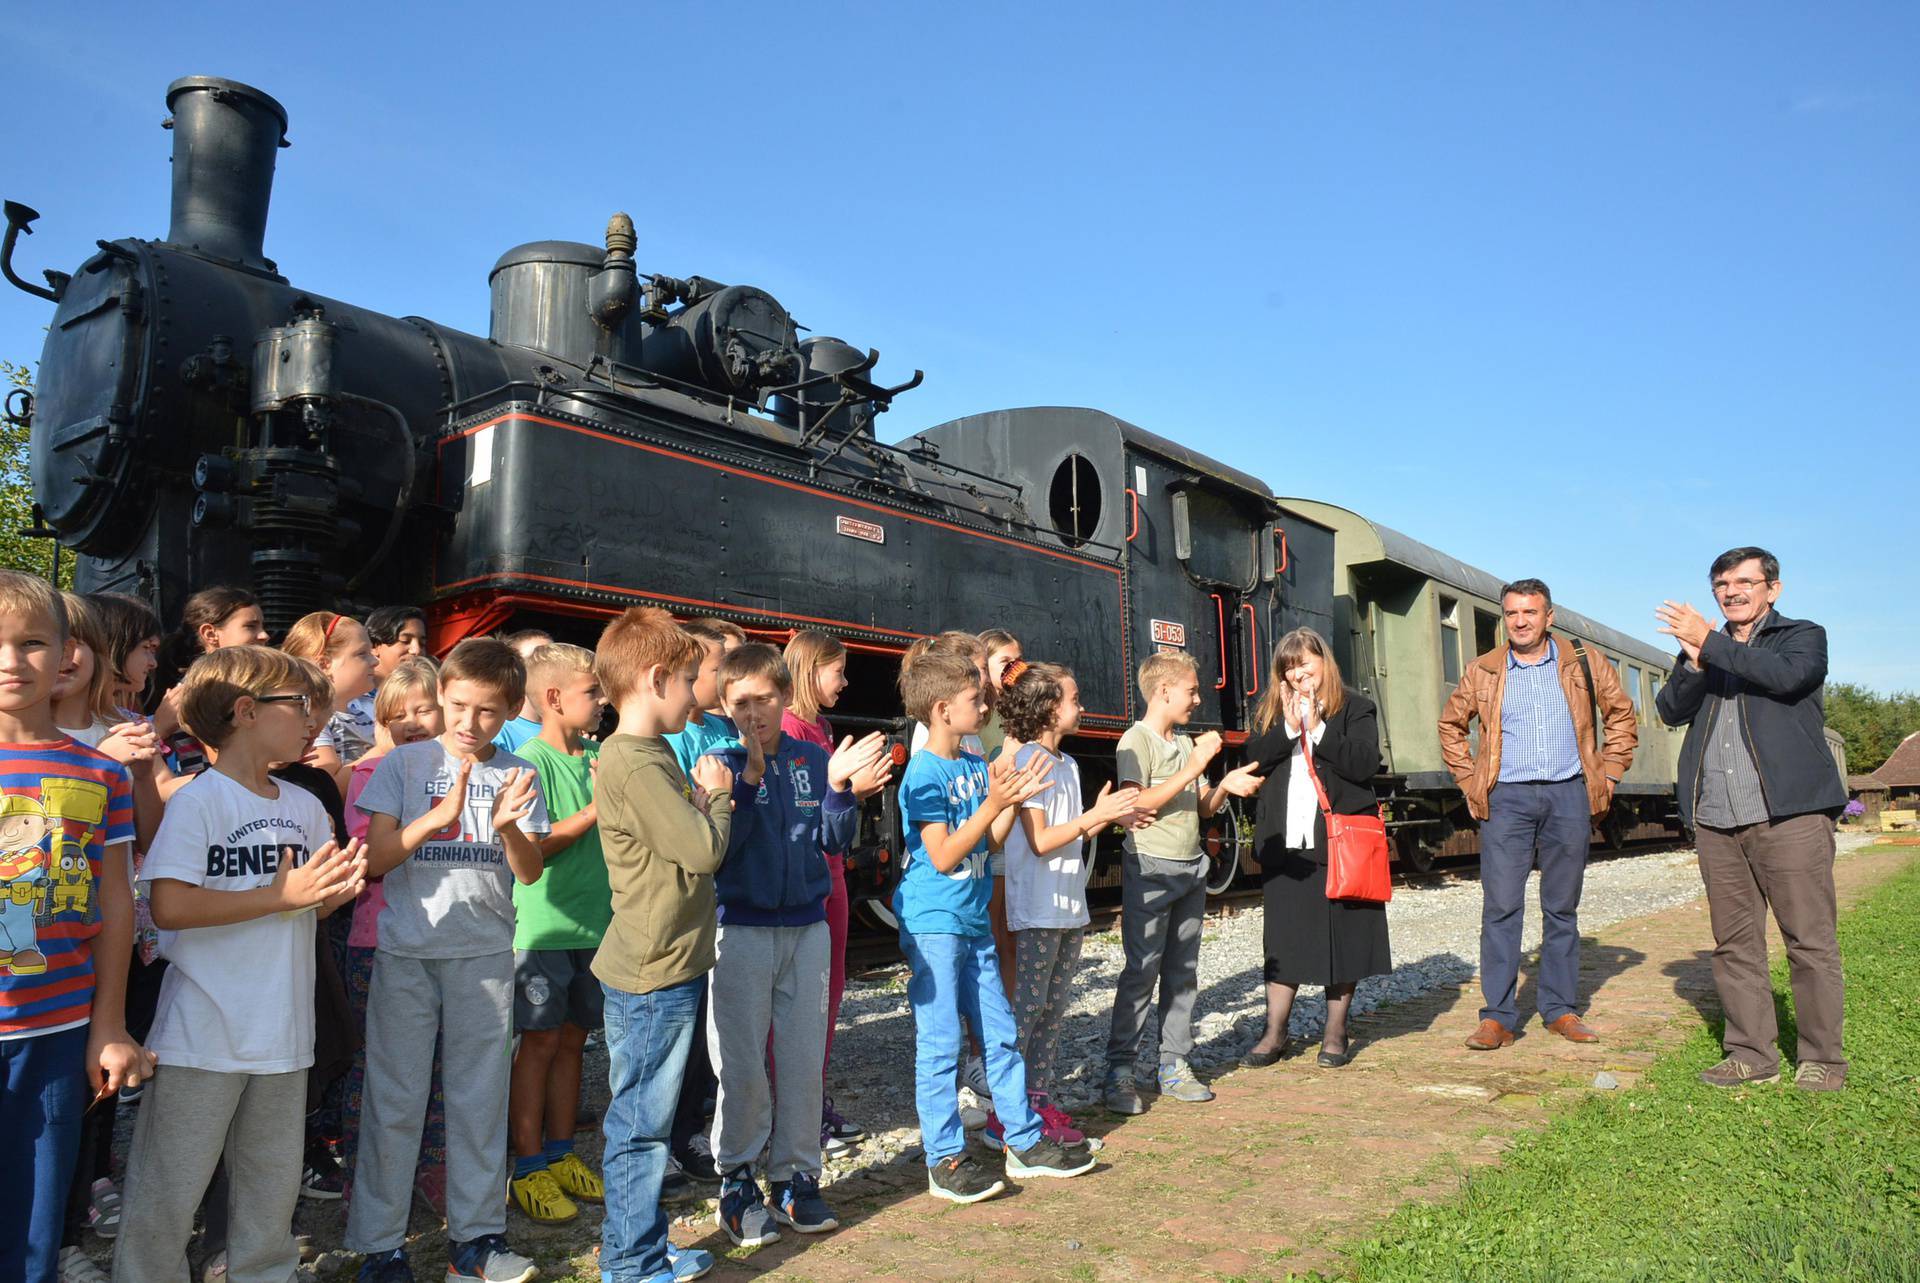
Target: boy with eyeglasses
[(240, 869)]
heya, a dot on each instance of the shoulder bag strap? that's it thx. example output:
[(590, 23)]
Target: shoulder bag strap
[(1593, 692), (1306, 750)]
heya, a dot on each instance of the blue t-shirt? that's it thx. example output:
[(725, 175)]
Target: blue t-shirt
[(708, 735), (517, 732), (939, 790)]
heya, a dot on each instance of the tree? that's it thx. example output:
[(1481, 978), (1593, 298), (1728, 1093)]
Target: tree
[(1871, 724), (18, 551)]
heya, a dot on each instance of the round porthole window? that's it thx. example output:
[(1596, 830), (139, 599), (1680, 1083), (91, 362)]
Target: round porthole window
[(1073, 500)]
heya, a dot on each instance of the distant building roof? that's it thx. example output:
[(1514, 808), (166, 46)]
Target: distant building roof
[(1864, 784), (1902, 770)]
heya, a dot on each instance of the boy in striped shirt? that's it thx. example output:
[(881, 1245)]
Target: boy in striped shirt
[(66, 931)]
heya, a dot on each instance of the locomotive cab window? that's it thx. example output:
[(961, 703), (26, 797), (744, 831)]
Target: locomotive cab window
[(1450, 640), (1073, 500)]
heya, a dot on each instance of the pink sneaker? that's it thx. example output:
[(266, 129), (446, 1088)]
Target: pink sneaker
[(996, 1135), (1057, 1125)]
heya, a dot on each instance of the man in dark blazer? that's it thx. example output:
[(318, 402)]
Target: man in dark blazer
[(1759, 788)]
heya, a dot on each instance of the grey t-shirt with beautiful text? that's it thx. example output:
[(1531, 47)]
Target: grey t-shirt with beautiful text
[(453, 897)]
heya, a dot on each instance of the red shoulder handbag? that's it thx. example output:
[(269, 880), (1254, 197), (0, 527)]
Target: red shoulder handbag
[(1357, 861)]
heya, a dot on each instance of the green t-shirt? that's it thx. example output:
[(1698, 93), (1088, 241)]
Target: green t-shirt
[(571, 905), (1150, 761)]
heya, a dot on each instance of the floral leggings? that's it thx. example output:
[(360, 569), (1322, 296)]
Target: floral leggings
[(1045, 959), (433, 1140)]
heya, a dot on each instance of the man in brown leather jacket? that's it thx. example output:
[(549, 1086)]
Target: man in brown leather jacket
[(1541, 775)]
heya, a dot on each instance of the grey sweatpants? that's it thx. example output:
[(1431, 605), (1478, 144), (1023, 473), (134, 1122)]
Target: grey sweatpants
[(468, 1002), (188, 1118), (1045, 959), (1162, 906), (768, 978)]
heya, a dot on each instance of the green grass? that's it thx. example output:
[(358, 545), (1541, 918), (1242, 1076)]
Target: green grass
[(1675, 1181)]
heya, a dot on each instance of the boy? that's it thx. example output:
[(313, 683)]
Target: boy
[(238, 864), (558, 923), (708, 729), (452, 823), (1163, 880), (63, 962), (525, 722), (663, 839), (771, 953), (948, 799)]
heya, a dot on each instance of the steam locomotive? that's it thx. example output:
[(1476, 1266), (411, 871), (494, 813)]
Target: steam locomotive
[(619, 437)]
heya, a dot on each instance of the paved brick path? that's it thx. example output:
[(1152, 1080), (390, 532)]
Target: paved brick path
[(1289, 1161)]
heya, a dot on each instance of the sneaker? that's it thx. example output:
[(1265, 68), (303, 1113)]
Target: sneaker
[(743, 1213), (75, 1267), (540, 1197), (1178, 1080), (961, 1180), (697, 1161), (973, 1076), (831, 1144), (797, 1202), (103, 1208), (576, 1180), (1122, 1093), (972, 1117), (430, 1187), (830, 1120), (1815, 1076), (383, 1267), (1733, 1072), (487, 1259), (993, 1133), (688, 1263), (1048, 1158), (1057, 1125), (323, 1178)]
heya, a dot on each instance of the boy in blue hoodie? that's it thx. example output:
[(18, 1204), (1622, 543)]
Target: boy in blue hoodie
[(791, 805)]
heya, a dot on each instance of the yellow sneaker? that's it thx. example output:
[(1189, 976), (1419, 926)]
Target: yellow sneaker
[(577, 1179), (539, 1196)]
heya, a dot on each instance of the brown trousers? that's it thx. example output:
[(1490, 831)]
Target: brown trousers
[(1787, 864)]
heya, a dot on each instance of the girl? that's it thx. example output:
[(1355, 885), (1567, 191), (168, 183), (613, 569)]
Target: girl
[(131, 632), (1309, 726), (1048, 866), (212, 618), (818, 663), (344, 652), (406, 710)]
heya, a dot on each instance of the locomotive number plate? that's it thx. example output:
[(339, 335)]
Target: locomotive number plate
[(853, 528), (1168, 633)]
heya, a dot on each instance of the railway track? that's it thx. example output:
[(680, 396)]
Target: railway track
[(870, 950)]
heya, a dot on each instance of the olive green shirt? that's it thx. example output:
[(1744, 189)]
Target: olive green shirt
[(1146, 759)]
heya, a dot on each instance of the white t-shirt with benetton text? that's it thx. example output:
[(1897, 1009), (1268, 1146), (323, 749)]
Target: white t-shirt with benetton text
[(453, 897), (238, 998), (1048, 890)]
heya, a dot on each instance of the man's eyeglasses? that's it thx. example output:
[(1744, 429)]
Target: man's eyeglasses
[(1739, 585)]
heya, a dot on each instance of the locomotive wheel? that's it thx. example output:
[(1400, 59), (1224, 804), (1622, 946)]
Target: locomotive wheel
[(1414, 855), (1224, 842), (878, 913), (1615, 828)]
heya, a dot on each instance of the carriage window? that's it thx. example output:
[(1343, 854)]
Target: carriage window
[(1633, 685), (1653, 687), (1073, 500), (1450, 640), (1486, 632)]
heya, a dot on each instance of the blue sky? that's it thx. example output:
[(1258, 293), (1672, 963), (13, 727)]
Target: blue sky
[(1587, 292)]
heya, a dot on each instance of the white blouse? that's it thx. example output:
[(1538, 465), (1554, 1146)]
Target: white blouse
[(1303, 802)]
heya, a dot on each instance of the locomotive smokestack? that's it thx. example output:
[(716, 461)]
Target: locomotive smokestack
[(225, 135)]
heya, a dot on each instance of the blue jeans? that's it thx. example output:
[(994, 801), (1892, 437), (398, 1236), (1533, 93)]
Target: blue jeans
[(648, 1037), (1528, 824), (955, 976), (43, 1098)]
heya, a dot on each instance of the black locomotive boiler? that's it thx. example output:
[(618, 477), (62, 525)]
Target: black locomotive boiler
[(619, 437)]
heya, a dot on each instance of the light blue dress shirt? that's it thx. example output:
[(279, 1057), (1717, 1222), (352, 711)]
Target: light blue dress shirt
[(1536, 726)]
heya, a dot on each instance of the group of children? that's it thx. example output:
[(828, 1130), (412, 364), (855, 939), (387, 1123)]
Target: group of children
[(382, 905)]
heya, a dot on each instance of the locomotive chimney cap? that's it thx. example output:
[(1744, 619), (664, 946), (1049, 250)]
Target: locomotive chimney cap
[(221, 87)]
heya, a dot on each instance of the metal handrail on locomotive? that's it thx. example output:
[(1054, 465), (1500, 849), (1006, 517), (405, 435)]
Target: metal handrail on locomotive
[(624, 437)]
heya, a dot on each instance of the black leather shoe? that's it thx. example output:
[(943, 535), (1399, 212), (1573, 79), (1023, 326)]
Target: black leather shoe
[(1262, 1059), (1334, 1059)]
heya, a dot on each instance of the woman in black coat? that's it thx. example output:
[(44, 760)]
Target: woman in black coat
[(1309, 938)]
